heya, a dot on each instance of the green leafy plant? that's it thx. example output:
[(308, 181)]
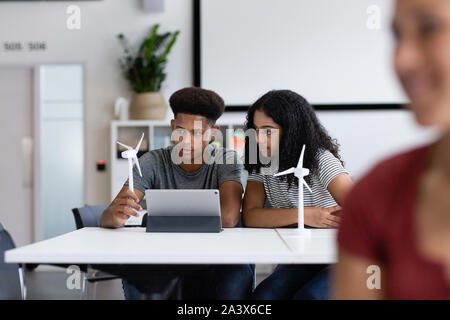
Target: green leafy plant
[(144, 69)]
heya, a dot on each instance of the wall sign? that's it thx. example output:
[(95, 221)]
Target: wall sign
[(29, 46)]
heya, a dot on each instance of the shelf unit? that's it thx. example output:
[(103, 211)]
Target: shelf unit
[(157, 135)]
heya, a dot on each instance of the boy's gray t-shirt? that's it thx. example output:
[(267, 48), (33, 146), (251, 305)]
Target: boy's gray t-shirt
[(160, 172)]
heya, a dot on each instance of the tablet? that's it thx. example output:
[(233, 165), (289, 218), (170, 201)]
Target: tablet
[(183, 210)]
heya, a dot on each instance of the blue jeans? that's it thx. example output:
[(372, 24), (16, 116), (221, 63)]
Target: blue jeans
[(299, 282), (221, 282), (130, 292)]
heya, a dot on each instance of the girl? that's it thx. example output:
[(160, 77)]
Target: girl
[(397, 218), (284, 121)]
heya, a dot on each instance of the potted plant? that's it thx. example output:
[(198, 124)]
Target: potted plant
[(144, 71)]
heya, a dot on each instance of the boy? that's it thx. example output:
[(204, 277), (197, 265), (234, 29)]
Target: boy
[(192, 163)]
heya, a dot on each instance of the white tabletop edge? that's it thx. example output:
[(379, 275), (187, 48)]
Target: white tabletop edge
[(286, 255)]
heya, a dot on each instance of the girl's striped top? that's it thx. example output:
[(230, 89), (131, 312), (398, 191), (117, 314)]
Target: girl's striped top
[(280, 196)]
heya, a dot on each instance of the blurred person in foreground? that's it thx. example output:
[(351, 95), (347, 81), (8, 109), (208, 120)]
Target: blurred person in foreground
[(394, 239)]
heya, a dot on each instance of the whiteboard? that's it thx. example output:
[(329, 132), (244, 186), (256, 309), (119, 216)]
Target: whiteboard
[(330, 51)]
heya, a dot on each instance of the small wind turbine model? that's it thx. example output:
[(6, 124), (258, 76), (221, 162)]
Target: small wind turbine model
[(131, 155), (300, 173)]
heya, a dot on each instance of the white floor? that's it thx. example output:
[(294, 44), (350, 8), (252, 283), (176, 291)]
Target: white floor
[(46, 283), (50, 283)]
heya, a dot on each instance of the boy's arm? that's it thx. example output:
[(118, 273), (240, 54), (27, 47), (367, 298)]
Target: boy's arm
[(230, 203), (120, 208)]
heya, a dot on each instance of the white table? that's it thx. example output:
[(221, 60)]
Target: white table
[(135, 246)]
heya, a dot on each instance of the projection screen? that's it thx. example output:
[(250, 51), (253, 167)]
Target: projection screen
[(335, 53)]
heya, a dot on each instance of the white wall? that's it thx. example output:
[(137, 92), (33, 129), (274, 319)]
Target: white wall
[(365, 136), (96, 46)]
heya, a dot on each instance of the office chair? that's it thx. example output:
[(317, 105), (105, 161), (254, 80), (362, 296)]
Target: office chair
[(12, 285), (89, 216)]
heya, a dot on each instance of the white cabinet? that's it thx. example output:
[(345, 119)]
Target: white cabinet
[(61, 147)]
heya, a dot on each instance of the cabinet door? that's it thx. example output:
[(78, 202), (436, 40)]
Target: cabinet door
[(61, 147)]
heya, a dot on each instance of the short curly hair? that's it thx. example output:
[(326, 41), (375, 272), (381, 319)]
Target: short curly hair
[(197, 101)]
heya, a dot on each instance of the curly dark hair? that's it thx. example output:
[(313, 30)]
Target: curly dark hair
[(197, 101), (300, 126)]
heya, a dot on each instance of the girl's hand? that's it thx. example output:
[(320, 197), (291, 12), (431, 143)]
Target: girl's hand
[(323, 217)]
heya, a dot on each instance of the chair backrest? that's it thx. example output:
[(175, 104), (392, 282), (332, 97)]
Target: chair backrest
[(88, 216), (10, 273)]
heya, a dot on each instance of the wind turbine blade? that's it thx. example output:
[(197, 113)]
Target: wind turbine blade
[(300, 160), (140, 141), (288, 171), (124, 145), (306, 185), (136, 162)]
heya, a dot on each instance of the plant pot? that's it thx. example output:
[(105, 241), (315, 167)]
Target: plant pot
[(148, 106)]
